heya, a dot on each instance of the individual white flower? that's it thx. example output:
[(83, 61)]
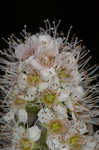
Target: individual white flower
[(34, 133), (43, 86), (49, 45), (61, 110), (45, 115), (45, 39), (63, 95), (32, 42), (22, 115), (67, 59), (53, 142), (31, 60), (22, 81), (81, 126), (54, 83), (47, 73), (30, 94)]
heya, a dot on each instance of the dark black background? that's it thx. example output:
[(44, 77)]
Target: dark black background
[(82, 14)]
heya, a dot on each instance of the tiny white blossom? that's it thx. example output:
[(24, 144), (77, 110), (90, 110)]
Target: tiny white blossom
[(34, 133), (45, 115), (30, 94), (31, 60), (61, 110), (47, 73), (81, 126), (64, 95)]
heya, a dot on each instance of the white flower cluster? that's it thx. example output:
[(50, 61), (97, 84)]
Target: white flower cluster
[(48, 95)]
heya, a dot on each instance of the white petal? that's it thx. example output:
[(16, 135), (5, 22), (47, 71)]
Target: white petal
[(45, 115), (61, 110), (34, 133)]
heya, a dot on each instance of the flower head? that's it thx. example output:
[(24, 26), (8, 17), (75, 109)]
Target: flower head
[(49, 99)]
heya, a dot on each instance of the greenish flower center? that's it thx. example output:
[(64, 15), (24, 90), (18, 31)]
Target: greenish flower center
[(75, 141), (49, 98), (26, 144), (56, 126), (33, 78), (63, 74)]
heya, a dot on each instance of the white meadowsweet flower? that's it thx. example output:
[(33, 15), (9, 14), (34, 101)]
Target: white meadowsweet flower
[(33, 61), (49, 45), (53, 142), (22, 115), (61, 110), (32, 42), (81, 127), (63, 95), (47, 73), (30, 94), (54, 83), (34, 133), (45, 115), (45, 39)]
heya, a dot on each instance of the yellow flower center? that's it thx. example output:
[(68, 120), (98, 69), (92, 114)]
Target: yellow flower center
[(33, 79), (49, 97), (56, 126), (75, 141), (26, 144)]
